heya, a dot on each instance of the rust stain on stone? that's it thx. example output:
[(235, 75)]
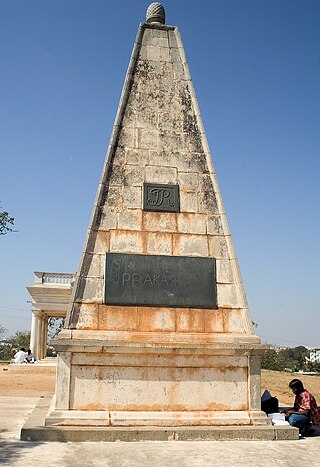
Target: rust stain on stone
[(89, 407), (156, 319), (87, 316), (181, 409), (118, 318), (213, 321), (189, 320), (227, 312)]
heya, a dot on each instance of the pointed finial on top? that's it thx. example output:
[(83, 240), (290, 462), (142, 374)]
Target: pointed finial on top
[(156, 13)]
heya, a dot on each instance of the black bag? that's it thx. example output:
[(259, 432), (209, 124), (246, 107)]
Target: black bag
[(270, 405)]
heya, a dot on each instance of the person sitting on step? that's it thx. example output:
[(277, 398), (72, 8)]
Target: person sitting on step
[(305, 412), (29, 357)]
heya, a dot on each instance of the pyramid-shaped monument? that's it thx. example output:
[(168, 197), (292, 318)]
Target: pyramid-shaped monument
[(158, 332)]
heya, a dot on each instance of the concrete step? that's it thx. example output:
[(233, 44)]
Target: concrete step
[(35, 430)]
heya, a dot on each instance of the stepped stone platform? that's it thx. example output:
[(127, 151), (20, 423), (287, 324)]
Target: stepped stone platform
[(35, 430)]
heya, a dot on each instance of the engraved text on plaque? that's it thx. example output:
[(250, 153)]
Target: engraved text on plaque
[(160, 280)]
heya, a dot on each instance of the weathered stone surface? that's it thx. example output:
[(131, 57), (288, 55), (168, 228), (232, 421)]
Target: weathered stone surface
[(188, 181), (127, 138), (147, 36), (126, 241), (214, 226), (255, 382), (131, 219), (170, 140), (224, 271), (63, 382), (147, 121), (93, 265), (88, 316), (228, 297), (190, 320), (147, 139), (133, 176), (161, 174), (188, 202), (233, 322), (137, 157), (172, 39), (108, 219), (192, 223), (156, 319), (159, 243), (90, 290), (102, 242), (218, 247), (160, 222), (169, 121), (214, 321), (147, 389), (207, 198), (116, 318), (179, 418), (190, 245), (132, 197), (115, 201)]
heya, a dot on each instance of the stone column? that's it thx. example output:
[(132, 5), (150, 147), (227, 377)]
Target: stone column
[(35, 330), (45, 335), (41, 336)]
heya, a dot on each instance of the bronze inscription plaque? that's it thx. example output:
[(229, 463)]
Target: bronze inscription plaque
[(161, 197), (177, 281)]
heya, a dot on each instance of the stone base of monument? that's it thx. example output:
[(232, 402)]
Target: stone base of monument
[(136, 386), (35, 430)]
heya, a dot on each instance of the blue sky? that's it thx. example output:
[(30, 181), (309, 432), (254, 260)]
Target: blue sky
[(255, 65)]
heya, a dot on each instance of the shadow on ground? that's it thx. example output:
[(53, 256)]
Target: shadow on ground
[(11, 451), (313, 432)]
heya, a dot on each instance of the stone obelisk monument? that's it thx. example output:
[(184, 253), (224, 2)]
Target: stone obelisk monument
[(158, 333)]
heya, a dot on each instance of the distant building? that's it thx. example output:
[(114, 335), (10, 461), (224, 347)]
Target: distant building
[(314, 356)]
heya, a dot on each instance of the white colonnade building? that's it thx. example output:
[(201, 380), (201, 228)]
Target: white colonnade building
[(50, 294)]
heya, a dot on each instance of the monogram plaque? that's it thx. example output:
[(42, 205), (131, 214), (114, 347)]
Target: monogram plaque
[(161, 197), (155, 280)]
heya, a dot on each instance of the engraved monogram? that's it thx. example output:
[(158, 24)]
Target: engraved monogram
[(161, 197)]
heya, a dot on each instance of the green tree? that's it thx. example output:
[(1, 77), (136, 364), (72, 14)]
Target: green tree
[(6, 222), (20, 339), (55, 325), (289, 359), (11, 345), (295, 357), (272, 359)]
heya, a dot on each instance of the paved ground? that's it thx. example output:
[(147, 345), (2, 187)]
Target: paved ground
[(15, 410)]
